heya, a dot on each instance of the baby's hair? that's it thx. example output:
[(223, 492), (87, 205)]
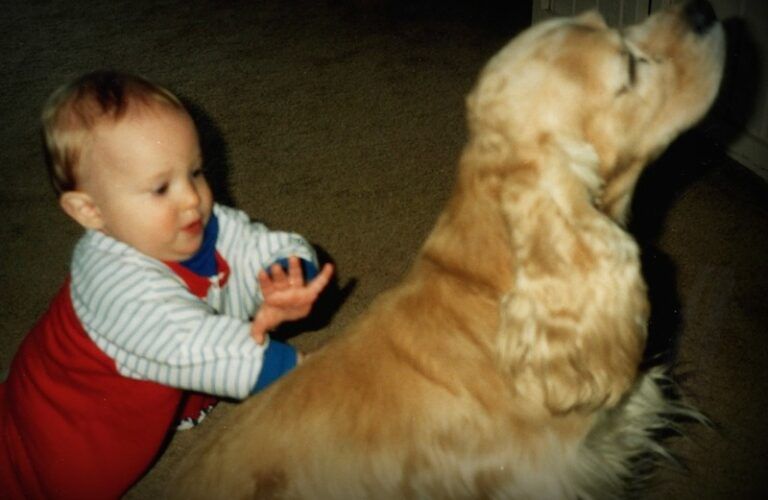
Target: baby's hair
[(73, 110)]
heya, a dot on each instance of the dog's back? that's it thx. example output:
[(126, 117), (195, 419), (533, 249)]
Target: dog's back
[(506, 365)]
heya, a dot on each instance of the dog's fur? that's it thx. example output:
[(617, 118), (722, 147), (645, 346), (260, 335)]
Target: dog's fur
[(506, 363)]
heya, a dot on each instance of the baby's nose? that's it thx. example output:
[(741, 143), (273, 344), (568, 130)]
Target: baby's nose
[(191, 196)]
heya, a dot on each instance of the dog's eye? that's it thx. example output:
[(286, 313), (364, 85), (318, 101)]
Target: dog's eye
[(632, 68), (633, 62)]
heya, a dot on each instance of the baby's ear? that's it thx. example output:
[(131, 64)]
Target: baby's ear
[(81, 207)]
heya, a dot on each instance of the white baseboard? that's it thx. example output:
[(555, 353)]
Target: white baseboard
[(744, 147)]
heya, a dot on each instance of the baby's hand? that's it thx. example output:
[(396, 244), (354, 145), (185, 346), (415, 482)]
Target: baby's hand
[(286, 296)]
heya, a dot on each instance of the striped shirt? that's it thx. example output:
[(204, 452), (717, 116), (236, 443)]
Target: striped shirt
[(141, 314)]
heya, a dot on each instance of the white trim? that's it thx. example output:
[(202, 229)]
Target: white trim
[(746, 148)]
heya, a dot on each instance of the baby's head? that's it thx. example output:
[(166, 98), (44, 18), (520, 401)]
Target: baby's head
[(124, 158)]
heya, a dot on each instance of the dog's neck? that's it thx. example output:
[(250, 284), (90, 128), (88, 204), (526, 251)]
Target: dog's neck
[(583, 161), (567, 170)]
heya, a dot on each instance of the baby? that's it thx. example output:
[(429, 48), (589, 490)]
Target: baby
[(155, 317)]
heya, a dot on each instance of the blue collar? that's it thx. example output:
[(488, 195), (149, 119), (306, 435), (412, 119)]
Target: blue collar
[(203, 262)]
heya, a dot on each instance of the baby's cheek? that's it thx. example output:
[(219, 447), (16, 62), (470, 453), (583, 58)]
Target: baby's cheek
[(168, 224)]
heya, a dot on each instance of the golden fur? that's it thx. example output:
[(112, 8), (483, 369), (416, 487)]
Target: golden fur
[(505, 365)]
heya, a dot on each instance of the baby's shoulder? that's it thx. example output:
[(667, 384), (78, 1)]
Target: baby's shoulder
[(237, 226), (233, 218), (101, 264)]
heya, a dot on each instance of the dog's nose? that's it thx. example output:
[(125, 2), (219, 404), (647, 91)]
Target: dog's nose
[(700, 15)]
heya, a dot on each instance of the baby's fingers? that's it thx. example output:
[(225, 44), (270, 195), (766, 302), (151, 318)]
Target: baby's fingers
[(278, 274), (265, 282), (295, 275), (321, 280)]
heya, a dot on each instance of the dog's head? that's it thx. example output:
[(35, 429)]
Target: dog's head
[(608, 100)]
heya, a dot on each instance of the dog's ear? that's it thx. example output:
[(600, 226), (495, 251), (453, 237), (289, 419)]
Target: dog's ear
[(619, 188), (564, 354), (573, 325), (592, 18)]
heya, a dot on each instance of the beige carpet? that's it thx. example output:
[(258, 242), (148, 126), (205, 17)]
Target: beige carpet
[(344, 122)]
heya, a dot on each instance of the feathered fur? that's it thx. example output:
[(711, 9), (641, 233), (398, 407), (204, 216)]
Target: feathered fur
[(506, 364)]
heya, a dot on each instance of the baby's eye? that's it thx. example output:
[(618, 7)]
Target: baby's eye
[(198, 172), (161, 189)]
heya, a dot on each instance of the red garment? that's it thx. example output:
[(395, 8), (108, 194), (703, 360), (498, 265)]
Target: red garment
[(70, 425)]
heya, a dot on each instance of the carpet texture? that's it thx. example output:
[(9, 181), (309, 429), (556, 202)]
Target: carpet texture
[(343, 121)]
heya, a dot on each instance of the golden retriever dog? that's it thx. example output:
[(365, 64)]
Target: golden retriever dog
[(507, 363)]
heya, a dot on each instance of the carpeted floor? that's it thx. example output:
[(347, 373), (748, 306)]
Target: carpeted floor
[(343, 121)]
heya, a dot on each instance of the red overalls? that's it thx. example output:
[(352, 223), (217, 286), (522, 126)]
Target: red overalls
[(70, 425)]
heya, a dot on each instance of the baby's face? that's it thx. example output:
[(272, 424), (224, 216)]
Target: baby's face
[(144, 175)]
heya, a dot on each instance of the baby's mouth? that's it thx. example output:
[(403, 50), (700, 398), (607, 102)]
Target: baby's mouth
[(194, 228)]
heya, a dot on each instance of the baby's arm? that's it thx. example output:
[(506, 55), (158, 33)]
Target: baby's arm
[(286, 296)]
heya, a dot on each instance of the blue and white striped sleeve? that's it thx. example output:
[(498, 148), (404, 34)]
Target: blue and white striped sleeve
[(143, 316), (255, 246)]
